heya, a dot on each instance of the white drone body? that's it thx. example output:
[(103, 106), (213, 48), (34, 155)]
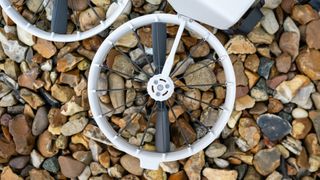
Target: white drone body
[(221, 14)]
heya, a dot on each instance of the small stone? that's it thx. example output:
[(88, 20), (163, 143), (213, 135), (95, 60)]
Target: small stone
[(91, 17), (235, 116), (8, 100), (220, 174), (271, 4), (312, 145), (298, 113), (7, 173), (215, 150), (289, 43), (199, 73), (20, 129), (56, 119), (269, 21), (129, 40), (286, 91), (131, 164), (68, 62), (77, 5), (266, 161), (40, 122), (45, 48), (25, 36), (116, 171), (189, 101), (252, 62), (241, 79), (311, 31), (95, 149), (13, 49), (259, 94), (300, 128), (97, 169), (274, 106), (74, 126), (275, 176), (69, 167), (62, 93), (102, 3), (209, 116), (170, 167), (51, 165), (273, 126), (303, 99), (70, 78), (244, 102), (315, 117), (154, 2), (308, 63), (290, 26), (40, 174), (86, 173), (46, 144), (283, 63), (61, 142), (117, 97), (104, 159), (314, 162), (123, 65), (19, 162), (154, 174), (304, 13), (265, 67), (316, 99), (70, 108), (194, 165), (259, 36), (292, 145), (36, 158), (93, 132), (31, 98), (201, 50), (240, 45), (83, 156), (249, 131)]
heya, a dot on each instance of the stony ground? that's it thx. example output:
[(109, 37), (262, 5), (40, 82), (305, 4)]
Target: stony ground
[(274, 132)]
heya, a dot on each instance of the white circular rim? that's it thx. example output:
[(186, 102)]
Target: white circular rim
[(51, 36), (148, 159)]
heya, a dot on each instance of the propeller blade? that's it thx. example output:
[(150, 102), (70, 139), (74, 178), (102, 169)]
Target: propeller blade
[(159, 43), (162, 129), (59, 20)]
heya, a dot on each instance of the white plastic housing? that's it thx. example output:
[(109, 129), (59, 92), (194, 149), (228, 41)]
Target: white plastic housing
[(148, 159), (220, 14)]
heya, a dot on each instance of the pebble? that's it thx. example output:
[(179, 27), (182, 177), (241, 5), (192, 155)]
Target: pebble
[(154, 174), (266, 161), (301, 127), (315, 118), (69, 167), (20, 129), (31, 98), (298, 113), (244, 102), (194, 165), (7, 173), (45, 48), (259, 94), (303, 99), (97, 168), (249, 131), (259, 36), (36, 158), (86, 173), (311, 144), (272, 4), (240, 45), (83, 156), (316, 99), (199, 51), (40, 121), (274, 176), (62, 93), (131, 164), (303, 13), (170, 167), (25, 37), (104, 159), (269, 21), (46, 144), (40, 174), (220, 174), (117, 97), (129, 40), (292, 145), (311, 31), (116, 171), (197, 74), (289, 43), (252, 62), (51, 165), (241, 78), (215, 150), (307, 63), (90, 18), (13, 49), (93, 132), (283, 63), (123, 65), (70, 108), (19, 162), (273, 126), (74, 126), (68, 62), (290, 26)]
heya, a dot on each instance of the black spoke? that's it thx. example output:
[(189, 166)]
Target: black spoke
[(148, 124), (181, 131), (202, 102), (122, 74), (140, 46), (189, 56), (76, 18), (39, 14), (121, 89), (129, 122), (140, 96), (94, 11), (196, 85), (132, 62)]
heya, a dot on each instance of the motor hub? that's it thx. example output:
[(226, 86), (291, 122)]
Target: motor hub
[(160, 88)]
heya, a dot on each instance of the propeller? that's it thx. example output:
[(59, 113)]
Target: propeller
[(159, 40), (59, 20)]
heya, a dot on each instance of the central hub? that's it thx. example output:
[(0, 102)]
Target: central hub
[(160, 88)]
